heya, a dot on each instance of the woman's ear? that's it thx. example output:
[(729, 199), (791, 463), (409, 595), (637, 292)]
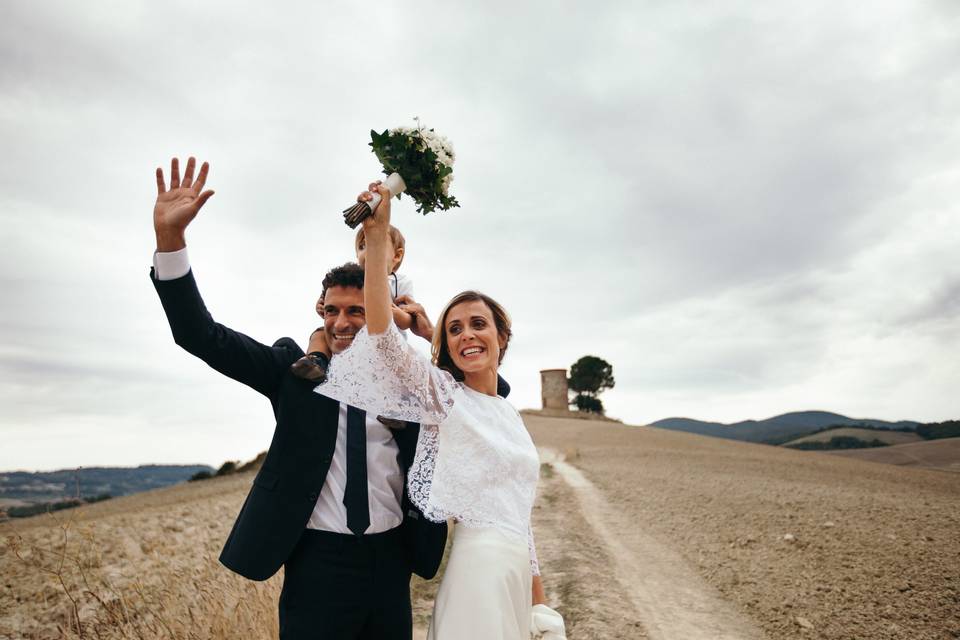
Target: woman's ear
[(502, 342)]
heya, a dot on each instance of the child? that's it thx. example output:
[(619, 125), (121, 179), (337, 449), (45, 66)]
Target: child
[(313, 366)]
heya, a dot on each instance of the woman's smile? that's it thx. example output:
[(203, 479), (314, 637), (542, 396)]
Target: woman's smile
[(472, 337)]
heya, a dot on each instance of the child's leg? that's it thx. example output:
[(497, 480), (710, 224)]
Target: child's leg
[(313, 366)]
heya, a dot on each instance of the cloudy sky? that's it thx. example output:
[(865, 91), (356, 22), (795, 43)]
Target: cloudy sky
[(747, 210)]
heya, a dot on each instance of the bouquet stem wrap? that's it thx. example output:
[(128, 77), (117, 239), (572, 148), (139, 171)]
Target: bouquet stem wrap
[(355, 214)]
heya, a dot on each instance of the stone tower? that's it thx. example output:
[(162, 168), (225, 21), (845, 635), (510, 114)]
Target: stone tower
[(553, 389)]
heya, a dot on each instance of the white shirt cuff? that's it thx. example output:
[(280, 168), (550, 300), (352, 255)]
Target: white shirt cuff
[(172, 265)]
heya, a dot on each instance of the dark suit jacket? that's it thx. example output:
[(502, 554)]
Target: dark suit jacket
[(286, 489)]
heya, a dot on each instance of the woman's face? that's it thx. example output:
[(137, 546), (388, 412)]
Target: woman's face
[(472, 338)]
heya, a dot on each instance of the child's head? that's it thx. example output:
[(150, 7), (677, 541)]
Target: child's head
[(396, 241)]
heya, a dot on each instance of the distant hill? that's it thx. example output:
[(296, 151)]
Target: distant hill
[(943, 454), (778, 429), (886, 436), (47, 486)]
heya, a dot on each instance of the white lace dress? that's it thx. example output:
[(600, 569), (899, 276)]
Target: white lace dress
[(475, 463)]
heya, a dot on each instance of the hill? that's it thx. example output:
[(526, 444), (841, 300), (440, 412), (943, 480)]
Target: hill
[(941, 454), (47, 486), (778, 429), (886, 436)]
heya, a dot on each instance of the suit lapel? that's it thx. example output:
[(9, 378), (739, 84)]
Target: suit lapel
[(317, 416)]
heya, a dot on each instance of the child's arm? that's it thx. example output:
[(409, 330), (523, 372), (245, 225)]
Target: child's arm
[(401, 318), (419, 321)]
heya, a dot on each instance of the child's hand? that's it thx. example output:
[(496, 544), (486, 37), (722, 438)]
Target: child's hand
[(421, 322), (320, 306), (401, 318)]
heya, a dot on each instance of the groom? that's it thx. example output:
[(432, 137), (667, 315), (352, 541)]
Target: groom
[(329, 503)]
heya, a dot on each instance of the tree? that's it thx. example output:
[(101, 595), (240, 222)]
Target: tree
[(937, 430), (227, 468), (588, 403), (590, 376)]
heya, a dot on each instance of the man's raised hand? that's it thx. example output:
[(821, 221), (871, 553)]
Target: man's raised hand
[(177, 206)]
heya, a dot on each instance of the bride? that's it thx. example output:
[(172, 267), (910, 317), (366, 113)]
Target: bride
[(475, 461)]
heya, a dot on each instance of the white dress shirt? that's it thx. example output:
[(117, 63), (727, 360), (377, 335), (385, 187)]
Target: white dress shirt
[(384, 474), (384, 481)]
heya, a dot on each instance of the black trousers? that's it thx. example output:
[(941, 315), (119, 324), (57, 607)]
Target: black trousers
[(341, 587)]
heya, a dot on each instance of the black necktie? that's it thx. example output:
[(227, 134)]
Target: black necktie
[(355, 493)]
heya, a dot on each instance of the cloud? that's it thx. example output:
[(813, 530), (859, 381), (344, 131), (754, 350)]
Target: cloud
[(746, 210)]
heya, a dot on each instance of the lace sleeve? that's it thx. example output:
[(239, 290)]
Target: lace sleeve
[(383, 375), (534, 565)]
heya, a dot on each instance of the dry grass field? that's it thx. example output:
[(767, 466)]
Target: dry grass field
[(768, 543), (888, 437), (141, 566)]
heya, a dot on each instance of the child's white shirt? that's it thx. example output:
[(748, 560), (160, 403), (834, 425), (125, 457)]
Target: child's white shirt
[(400, 285)]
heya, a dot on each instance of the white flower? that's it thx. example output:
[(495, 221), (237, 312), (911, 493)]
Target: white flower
[(441, 147)]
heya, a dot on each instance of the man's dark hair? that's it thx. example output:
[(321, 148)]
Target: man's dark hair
[(347, 275)]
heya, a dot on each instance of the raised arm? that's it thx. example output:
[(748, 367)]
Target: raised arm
[(229, 352), (380, 372), (376, 290)]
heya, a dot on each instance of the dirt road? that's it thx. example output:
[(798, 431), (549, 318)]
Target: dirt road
[(671, 599), (801, 544)]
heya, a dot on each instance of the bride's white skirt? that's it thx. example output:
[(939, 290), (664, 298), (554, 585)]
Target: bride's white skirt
[(485, 591)]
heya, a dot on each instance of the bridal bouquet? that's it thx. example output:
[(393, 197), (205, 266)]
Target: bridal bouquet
[(416, 160)]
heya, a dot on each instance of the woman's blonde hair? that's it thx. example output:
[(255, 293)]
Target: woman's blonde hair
[(501, 319)]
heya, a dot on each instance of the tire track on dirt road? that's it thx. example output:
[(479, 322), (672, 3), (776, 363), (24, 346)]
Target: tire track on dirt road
[(675, 603)]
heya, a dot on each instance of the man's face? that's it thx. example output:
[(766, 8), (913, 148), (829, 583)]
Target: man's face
[(343, 316)]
